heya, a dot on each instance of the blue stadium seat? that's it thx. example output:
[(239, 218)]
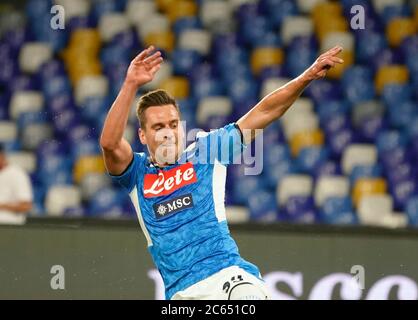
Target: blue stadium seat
[(403, 171), (185, 60), (365, 171), (299, 209), (402, 192), (389, 140), (244, 187), (336, 210), (311, 158), (336, 123), (330, 108), (358, 85), (340, 140), (323, 90), (186, 23), (55, 86), (393, 11), (275, 173), (278, 10), (402, 114), (412, 211), (262, 206), (107, 202), (371, 127), (328, 168), (392, 158)]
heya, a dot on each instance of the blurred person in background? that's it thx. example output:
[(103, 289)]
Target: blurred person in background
[(15, 192)]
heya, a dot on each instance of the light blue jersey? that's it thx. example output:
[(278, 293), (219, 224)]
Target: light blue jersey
[(181, 209)]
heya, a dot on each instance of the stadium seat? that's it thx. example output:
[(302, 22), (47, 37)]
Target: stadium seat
[(365, 187), (107, 203), (8, 131), (389, 140), (373, 209), (111, 24), (358, 154), (271, 84), (305, 122), (390, 74), (302, 106), (265, 57), (33, 55), (293, 185), (309, 159), (138, 10), (299, 209), (214, 12), (90, 86), (337, 210), (330, 186), (295, 26), (365, 171), (380, 5), (195, 39), (74, 8), (163, 40), (306, 6), (178, 87), (398, 29), (237, 214), (305, 139), (34, 134), (366, 110), (154, 23), (25, 101), (213, 106), (412, 211), (86, 165), (180, 9), (262, 206), (60, 198), (92, 182), (25, 160)]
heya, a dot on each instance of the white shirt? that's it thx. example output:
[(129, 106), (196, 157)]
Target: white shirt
[(15, 186)]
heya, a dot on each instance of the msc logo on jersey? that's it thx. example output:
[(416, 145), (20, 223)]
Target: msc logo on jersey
[(166, 208), (166, 182)]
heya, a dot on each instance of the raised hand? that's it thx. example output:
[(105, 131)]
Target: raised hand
[(324, 62), (144, 67)]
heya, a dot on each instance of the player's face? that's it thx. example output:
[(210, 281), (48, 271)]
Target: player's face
[(163, 134)]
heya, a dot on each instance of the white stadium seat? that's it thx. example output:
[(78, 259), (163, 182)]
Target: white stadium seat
[(358, 154), (344, 39), (395, 220), (165, 72), (302, 106), (60, 198), (380, 5), (364, 110), (331, 186), (294, 26), (33, 55), (237, 214), (306, 6), (305, 122), (293, 185), (90, 86), (195, 39), (210, 106), (24, 160), (111, 24), (74, 8), (92, 183), (138, 10), (215, 11), (8, 131), (156, 22), (237, 3), (271, 84), (25, 101), (34, 134), (374, 209)]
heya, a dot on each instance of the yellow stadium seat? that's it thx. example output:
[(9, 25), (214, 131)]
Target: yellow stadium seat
[(302, 140), (368, 186), (180, 9), (391, 74), (164, 4), (325, 10), (88, 164), (338, 70), (178, 87), (85, 38), (399, 29), (265, 57), (163, 40), (416, 17), (330, 24)]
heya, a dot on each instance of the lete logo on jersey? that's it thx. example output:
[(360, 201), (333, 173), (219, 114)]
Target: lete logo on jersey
[(166, 182)]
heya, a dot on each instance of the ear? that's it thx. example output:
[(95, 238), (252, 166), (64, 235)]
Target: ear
[(142, 137)]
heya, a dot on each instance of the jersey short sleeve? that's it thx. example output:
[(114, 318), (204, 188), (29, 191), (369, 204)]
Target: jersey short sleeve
[(224, 144), (129, 177)]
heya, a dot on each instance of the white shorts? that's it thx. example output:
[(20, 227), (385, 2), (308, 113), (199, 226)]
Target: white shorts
[(232, 283)]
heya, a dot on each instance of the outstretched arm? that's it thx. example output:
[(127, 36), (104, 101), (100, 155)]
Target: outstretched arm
[(274, 105), (117, 152)]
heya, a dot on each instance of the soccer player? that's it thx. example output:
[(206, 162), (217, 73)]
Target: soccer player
[(178, 192)]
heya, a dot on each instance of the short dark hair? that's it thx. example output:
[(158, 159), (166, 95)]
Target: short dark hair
[(152, 99)]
